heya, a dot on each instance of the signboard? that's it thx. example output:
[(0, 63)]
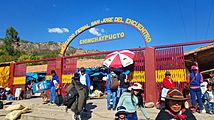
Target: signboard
[(103, 38), (109, 20)]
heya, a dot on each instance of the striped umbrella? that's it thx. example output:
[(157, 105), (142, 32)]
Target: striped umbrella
[(119, 59)]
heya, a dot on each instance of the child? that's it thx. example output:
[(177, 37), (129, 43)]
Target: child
[(8, 93), (121, 113), (209, 97), (2, 91), (211, 80), (44, 97)]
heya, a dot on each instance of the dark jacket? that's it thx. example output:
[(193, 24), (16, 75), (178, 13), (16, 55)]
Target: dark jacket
[(72, 95), (123, 84), (78, 105), (164, 115)]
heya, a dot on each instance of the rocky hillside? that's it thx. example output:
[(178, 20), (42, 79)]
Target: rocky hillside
[(32, 47)]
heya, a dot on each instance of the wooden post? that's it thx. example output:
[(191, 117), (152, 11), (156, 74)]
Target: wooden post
[(59, 64), (12, 71), (150, 83)]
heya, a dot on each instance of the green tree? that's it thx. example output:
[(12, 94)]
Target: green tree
[(11, 39), (26, 57), (6, 58)]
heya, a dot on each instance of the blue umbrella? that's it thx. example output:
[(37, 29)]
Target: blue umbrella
[(126, 72), (31, 76), (98, 73)]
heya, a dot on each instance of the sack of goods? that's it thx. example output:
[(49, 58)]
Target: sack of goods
[(15, 111), (43, 85)]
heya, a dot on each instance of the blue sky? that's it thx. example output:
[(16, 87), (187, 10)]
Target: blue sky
[(167, 21)]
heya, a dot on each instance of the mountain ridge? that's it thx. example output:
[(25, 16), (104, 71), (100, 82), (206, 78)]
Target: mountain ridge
[(31, 47)]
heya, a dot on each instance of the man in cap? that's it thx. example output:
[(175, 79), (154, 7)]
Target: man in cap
[(85, 80), (54, 86), (195, 79)]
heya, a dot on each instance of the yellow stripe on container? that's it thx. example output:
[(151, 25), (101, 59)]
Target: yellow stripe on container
[(137, 76), (177, 75), (67, 78), (19, 80)]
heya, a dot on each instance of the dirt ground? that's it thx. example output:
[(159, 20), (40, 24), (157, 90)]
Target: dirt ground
[(96, 111)]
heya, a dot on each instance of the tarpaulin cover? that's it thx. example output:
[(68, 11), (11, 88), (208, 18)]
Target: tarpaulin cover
[(40, 86)]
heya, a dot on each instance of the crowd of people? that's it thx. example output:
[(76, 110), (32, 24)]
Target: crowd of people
[(201, 101), (117, 89), (5, 93), (126, 97)]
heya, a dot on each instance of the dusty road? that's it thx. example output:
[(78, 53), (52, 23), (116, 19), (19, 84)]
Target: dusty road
[(96, 111)]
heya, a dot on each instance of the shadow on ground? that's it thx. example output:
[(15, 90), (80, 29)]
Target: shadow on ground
[(87, 115)]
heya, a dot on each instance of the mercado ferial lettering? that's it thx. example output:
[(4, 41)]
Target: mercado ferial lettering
[(103, 38), (109, 20)]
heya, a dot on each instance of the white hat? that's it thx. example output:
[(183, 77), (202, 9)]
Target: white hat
[(136, 86), (113, 74), (7, 88)]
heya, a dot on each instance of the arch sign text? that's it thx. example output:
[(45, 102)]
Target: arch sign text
[(109, 20)]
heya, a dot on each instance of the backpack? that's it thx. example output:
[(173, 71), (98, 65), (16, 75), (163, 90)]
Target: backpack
[(71, 96), (114, 83)]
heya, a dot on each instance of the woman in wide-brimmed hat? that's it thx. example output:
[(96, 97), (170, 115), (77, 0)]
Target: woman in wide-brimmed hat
[(131, 100), (174, 107)]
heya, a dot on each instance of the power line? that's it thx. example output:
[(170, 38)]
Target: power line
[(209, 19), (195, 13), (182, 19)]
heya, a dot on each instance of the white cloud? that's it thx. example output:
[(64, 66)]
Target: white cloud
[(58, 30), (65, 29), (95, 31)]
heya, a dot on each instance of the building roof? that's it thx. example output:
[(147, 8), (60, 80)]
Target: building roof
[(203, 48), (203, 55)]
